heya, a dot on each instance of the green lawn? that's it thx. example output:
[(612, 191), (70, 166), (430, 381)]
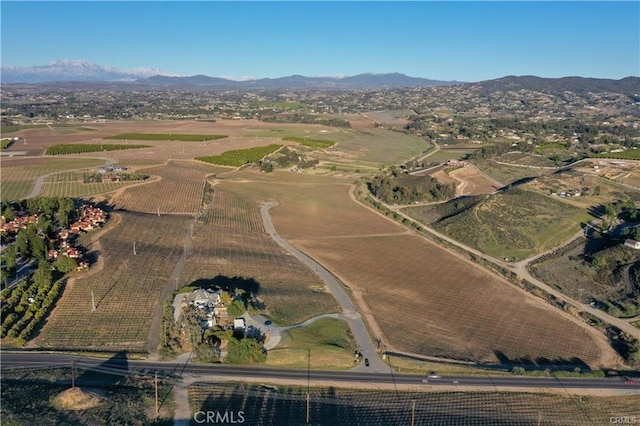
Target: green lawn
[(325, 343)]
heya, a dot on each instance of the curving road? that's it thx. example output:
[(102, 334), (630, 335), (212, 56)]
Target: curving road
[(349, 311)]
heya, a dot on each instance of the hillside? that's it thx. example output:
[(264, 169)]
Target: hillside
[(514, 224)]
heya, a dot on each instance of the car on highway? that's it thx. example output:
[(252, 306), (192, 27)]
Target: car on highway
[(632, 382), (366, 362), (433, 375)]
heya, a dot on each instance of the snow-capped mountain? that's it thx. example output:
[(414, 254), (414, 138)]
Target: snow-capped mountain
[(74, 70)]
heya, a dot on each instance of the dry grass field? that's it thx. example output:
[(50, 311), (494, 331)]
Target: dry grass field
[(474, 181), (230, 241), (126, 287)]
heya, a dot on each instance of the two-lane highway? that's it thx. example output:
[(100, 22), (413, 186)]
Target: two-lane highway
[(9, 361)]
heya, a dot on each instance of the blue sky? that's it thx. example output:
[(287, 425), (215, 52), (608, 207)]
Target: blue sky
[(465, 41)]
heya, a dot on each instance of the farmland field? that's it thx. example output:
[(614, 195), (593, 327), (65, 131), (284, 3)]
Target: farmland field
[(423, 298), (229, 241), (164, 137), (19, 175), (338, 406), (179, 190), (474, 181), (126, 287), (428, 301)]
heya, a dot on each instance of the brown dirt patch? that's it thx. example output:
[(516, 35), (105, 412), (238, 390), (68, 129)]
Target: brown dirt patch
[(80, 399)]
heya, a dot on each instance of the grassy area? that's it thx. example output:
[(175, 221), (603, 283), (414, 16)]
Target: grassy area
[(448, 154), (240, 157), (327, 341), (4, 144), (312, 143), (79, 148), (514, 224), (547, 147), (13, 129), (164, 137), (507, 174), (414, 366)]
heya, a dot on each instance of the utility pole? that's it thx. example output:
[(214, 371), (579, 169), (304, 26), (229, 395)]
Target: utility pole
[(134, 248), (73, 374), (413, 412), (156, 386), (308, 381), (176, 283), (158, 211), (191, 226), (93, 302)]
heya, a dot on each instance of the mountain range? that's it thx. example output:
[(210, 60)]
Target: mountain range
[(77, 74)]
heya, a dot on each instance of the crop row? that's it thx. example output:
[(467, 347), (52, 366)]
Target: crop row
[(346, 407), (428, 301), (78, 148), (179, 191), (312, 143), (19, 175), (165, 137), (239, 212), (25, 307), (125, 290), (240, 157)]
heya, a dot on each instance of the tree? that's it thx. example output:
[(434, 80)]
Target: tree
[(43, 277), (64, 264), (10, 258), (8, 214), (22, 243), (246, 350), (236, 308)]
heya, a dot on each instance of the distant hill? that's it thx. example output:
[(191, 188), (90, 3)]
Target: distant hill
[(76, 74), (628, 86), (360, 81), (75, 71), (72, 70)]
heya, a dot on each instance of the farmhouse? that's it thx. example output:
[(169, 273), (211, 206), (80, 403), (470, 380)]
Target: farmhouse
[(632, 243)]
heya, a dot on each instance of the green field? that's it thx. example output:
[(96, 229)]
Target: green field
[(448, 154), (79, 148), (240, 157), (19, 175), (325, 344), (514, 224), (164, 137), (312, 143)]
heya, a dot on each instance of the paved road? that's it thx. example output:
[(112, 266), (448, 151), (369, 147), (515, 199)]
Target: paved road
[(125, 366), (349, 311)]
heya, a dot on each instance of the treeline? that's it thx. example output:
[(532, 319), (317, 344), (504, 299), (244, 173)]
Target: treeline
[(402, 188), (240, 157), (307, 119), (79, 148)]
